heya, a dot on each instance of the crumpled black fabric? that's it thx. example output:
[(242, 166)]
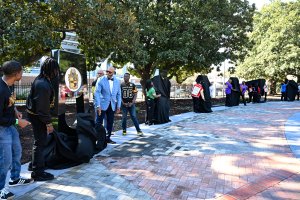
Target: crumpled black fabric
[(71, 147)]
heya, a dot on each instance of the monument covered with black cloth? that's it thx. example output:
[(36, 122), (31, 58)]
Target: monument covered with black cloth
[(75, 139), (257, 87), (162, 86), (235, 92), (291, 90), (201, 106)]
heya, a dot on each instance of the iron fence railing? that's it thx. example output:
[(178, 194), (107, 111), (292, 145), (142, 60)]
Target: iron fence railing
[(177, 92)]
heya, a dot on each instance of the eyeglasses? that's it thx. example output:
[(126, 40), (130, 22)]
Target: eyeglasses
[(109, 72), (100, 73)]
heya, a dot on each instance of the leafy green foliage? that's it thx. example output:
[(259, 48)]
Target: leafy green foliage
[(26, 30), (106, 28), (185, 37), (275, 50), (182, 36), (30, 29)]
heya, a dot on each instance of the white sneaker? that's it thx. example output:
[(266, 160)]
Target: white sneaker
[(5, 194)]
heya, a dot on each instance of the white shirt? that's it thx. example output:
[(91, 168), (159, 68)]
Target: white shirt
[(266, 88), (111, 84)]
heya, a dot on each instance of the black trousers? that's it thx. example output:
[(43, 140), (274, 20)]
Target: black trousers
[(283, 96), (110, 116), (243, 97), (265, 97), (150, 110), (250, 97), (39, 143), (228, 101)]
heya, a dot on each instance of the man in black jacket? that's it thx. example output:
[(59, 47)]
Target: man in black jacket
[(10, 146), (39, 103)]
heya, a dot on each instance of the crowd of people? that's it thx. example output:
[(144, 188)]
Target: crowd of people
[(110, 96)]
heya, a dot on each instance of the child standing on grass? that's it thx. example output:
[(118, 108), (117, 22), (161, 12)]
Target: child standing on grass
[(151, 95)]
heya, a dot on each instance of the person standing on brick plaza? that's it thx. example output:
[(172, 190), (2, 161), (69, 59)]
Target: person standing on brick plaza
[(283, 92), (150, 96), (10, 145), (39, 103), (266, 90), (228, 91), (108, 100), (100, 74), (298, 94), (243, 88), (129, 94)]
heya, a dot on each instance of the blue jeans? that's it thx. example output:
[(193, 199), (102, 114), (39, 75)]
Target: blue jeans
[(10, 154), (132, 113)]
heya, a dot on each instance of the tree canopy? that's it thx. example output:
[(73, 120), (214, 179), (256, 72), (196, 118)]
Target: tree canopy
[(26, 30), (182, 36), (185, 37), (275, 50), (30, 28)]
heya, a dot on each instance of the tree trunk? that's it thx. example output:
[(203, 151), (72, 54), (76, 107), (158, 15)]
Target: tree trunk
[(273, 84), (298, 78)]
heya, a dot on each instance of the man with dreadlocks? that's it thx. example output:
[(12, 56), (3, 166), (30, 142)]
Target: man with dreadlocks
[(39, 103)]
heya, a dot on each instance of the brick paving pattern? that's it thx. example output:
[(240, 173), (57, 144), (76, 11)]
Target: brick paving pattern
[(234, 153)]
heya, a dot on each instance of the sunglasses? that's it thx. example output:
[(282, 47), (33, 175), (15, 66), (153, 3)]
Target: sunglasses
[(109, 72)]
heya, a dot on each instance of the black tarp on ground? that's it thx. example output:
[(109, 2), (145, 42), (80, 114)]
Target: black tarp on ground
[(74, 146), (291, 90), (162, 104), (201, 106), (235, 93), (258, 83)]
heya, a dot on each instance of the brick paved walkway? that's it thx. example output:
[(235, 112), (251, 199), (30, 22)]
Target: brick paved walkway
[(232, 153)]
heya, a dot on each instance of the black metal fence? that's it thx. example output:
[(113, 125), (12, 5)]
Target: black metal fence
[(177, 92), (21, 92)]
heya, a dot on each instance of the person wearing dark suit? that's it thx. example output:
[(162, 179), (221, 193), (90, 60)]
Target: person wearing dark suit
[(108, 100)]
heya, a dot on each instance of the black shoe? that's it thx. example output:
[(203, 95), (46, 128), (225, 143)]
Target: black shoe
[(5, 194), (30, 167), (109, 141), (20, 181), (42, 176)]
